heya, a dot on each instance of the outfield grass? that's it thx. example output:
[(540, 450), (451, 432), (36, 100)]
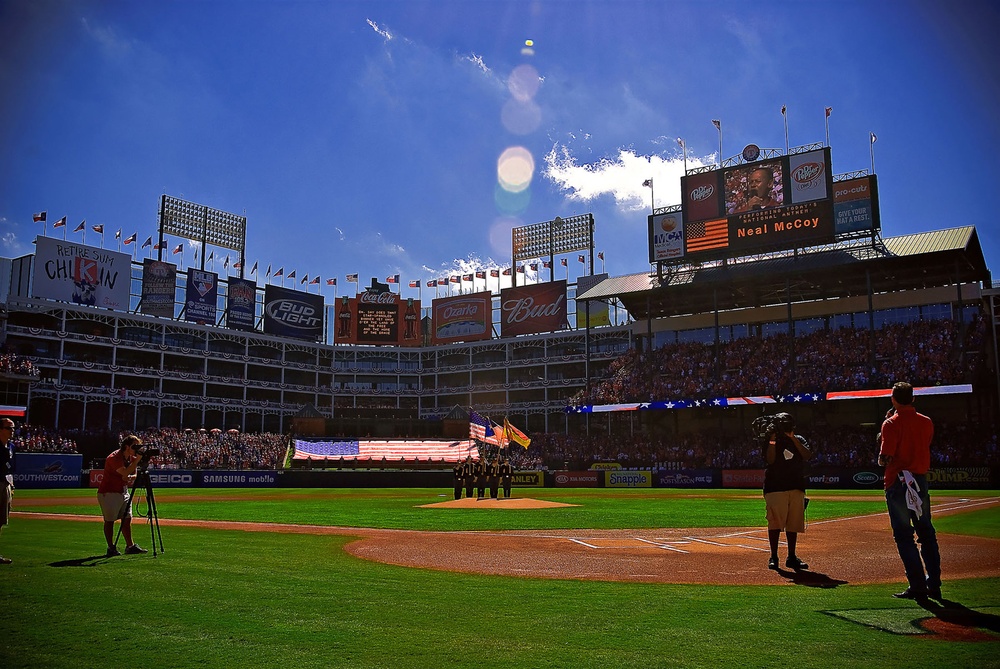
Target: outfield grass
[(238, 599)]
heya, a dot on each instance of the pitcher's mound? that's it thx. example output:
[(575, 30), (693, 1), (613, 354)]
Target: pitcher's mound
[(488, 503)]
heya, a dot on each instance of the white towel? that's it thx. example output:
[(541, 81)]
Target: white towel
[(913, 502)]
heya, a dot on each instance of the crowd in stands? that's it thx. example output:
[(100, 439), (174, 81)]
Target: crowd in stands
[(37, 439), (962, 445), (214, 449), (836, 446), (926, 352), (12, 364)]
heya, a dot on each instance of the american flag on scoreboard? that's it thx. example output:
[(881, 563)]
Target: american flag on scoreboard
[(705, 235), (390, 450)]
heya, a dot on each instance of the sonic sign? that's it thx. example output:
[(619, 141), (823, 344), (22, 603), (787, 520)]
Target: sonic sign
[(779, 203)]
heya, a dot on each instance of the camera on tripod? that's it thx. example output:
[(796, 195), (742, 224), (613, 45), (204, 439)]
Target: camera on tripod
[(145, 455)]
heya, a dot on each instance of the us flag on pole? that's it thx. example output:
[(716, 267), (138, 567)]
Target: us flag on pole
[(706, 235), (479, 427)]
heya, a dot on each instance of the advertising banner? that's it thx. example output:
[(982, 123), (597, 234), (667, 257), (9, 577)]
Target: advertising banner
[(47, 470), (743, 478), (702, 196), (241, 299), (855, 205), (540, 307), (666, 237), (292, 313), (238, 479), (961, 477), (628, 479), (201, 299), (462, 318), (159, 285), (584, 479), (809, 176), (172, 478), (527, 479), (598, 308), (688, 478), (378, 317), (78, 274)]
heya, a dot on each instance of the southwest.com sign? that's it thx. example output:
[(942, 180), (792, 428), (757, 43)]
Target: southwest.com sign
[(629, 479)]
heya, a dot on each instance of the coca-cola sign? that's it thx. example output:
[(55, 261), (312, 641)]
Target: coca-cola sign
[(533, 309)]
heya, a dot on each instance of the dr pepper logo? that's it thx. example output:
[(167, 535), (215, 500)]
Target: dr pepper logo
[(807, 173), (702, 193)]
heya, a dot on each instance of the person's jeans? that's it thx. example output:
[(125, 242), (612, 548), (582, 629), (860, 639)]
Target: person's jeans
[(904, 523)]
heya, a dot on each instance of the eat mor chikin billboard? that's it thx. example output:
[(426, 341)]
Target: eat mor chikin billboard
[(533, 309)]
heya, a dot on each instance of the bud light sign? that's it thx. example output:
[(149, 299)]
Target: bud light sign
[(292, 313)]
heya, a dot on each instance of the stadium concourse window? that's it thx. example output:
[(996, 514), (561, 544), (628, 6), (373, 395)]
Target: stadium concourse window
[(809, 325), (838, 321), (897, 315)]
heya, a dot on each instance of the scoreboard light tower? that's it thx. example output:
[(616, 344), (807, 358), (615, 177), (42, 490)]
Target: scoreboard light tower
[(202, 224), (560, 235)]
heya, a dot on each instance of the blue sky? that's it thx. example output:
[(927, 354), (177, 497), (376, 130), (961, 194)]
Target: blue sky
[(373, 137)]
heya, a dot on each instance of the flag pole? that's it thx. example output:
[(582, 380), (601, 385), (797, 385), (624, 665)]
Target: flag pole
[(718, 126), (828, 110), (871, 150), (784, 117)]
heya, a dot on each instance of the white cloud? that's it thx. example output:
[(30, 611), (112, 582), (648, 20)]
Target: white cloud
[(478, 62), (384, 32), (620, 177)]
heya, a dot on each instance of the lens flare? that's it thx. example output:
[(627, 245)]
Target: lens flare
[(520, 118), (500, 232), (515, 168), (511, 203), (524, 82)]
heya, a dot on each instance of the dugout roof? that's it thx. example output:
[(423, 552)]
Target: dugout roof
[(921, 260)]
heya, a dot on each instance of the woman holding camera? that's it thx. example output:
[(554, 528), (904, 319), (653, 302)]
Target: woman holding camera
[(113, 494)]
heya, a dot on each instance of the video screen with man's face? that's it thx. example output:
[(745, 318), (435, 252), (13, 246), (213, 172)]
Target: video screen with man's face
[(754, 187)]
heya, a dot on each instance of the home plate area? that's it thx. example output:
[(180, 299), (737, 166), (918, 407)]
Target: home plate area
[(684, 544)]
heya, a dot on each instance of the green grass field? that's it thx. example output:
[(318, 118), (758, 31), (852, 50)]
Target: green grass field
[(239, 599)]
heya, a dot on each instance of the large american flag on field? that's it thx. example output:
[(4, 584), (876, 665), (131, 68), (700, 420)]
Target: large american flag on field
[(390, 450)]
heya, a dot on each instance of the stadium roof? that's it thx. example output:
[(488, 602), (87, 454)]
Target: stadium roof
[(921, 260)]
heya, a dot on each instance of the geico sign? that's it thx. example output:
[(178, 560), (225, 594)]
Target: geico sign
[(170, 479)]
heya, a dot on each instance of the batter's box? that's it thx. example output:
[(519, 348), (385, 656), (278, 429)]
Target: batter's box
[(632, 543)]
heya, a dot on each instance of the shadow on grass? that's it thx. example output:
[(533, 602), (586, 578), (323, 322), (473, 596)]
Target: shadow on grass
[(91, 561), (810, 579), (958, 614)]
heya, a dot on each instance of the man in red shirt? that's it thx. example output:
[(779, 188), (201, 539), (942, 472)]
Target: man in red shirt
[(905, 452), (113, 495)]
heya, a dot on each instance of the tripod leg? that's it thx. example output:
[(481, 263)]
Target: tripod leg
[(153, 519)]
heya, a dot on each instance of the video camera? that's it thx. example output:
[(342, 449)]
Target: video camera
[(145, 455), (765, 426)]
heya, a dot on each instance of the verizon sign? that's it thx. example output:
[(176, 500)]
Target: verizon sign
[(532, 309)]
